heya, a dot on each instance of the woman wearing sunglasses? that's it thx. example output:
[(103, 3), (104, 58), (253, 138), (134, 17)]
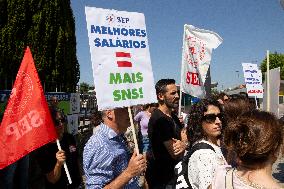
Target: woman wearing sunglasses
[(204, 126), (51, 160)]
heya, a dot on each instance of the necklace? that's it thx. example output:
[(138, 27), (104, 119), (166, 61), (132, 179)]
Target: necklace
[(250, 183)]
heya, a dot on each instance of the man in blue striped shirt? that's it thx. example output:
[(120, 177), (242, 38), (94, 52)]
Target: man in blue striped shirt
[(105, 157)]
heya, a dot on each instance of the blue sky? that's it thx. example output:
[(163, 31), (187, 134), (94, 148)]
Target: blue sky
[(248, 28)]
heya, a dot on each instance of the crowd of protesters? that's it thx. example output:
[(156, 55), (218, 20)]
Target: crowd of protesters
[(224, 142), (227, 143)]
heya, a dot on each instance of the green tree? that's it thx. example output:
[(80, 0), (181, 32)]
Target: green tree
[(84, 87), (48, 28), (92, 87), (214, 92), (275, 60)]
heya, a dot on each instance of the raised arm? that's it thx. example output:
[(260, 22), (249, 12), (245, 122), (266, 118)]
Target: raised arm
[(54, 175)]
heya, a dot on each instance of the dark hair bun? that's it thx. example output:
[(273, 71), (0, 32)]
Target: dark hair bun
[(254, 136)]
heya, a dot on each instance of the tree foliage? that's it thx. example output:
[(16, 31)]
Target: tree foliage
[(48, 28), (215, 92), (84, 87), (275, 60)]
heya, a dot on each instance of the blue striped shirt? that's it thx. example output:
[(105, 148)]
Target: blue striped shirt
[(105, 157)]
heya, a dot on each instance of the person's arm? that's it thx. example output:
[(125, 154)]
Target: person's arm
[(183, 136), (136, 166), (175, 148), (145, 186), (137, 118), (119, 181), (54, 175)]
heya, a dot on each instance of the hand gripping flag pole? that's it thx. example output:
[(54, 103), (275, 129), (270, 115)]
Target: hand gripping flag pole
[(65, 165)]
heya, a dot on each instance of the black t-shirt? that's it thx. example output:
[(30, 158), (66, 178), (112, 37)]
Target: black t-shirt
[(46, 157), (162, 128)]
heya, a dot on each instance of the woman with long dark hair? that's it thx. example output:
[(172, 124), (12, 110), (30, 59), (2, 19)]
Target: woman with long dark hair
[(204, 127)]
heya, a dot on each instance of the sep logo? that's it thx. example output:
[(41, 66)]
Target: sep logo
[(121, 20), (110, 18)]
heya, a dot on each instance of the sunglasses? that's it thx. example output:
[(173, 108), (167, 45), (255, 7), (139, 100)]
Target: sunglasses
[(211, 118)]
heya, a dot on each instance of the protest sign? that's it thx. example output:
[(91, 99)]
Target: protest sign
[(74, 103), (271, 101), (196, 57), (73, 124), (253, 80), (120, 57)]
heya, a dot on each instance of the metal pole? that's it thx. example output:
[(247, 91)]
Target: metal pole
[(180, 92), (267, 81), (255, 102)]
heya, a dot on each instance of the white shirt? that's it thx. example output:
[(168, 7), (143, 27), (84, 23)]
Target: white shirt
[(202, 165)]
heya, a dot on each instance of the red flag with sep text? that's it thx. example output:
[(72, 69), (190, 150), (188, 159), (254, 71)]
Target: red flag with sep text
[(27, 123)]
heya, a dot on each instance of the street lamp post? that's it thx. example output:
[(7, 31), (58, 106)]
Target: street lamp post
[(282, 3), (238, 74)]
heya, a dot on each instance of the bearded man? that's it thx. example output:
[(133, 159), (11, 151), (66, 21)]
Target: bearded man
[(164, 132)]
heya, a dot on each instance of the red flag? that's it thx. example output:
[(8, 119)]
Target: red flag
[(27, 123)]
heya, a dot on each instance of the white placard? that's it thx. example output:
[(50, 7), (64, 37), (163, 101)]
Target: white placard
[(253, 80), (73, 124), (74, 103), (274, 88), (120, 58)]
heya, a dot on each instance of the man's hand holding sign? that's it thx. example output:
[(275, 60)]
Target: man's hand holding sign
[(123, 78)]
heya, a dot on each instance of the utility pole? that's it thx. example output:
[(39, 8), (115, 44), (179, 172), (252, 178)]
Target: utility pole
[(282, 3), (238, 74)]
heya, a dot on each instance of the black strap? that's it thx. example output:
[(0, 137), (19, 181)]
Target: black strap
[(181, 170)]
